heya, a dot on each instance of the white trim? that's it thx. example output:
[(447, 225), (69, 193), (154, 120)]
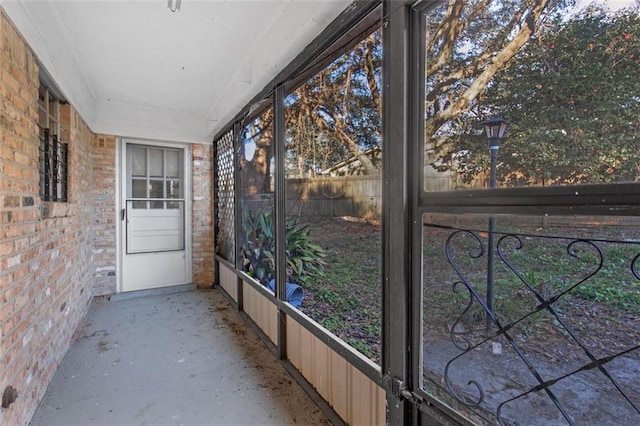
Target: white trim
[(188, 196), (118, 204)]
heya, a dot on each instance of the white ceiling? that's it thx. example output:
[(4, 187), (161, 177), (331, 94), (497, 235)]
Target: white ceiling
[(134, 68)]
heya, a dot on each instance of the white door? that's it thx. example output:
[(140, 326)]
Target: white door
[(154, 216)]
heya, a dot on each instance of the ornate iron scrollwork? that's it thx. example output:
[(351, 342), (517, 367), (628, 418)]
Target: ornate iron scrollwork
[(590, 258)]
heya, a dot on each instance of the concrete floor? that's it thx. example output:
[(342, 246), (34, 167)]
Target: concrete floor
[(175, 359)]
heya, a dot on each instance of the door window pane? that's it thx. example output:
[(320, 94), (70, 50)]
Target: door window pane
[(156, 190), (173, 163), (173, 191), (155, 173), (138, 161), (139, 190), (156, 162)]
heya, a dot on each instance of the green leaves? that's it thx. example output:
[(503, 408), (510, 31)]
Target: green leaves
[(573, 97), (304, 259)]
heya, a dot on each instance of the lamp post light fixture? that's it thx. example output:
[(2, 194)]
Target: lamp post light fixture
[(494, 129), (174, 5)]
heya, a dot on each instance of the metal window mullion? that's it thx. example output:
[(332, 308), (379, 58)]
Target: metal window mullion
[(396, 213), (280, 215), (181, 200), (214, 189), (606, 199), (216, 213), (238, 192), (417, 112), (237, 189)]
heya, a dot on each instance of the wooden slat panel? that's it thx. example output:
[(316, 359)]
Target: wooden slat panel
[(340, 384), (293, 343), (261, 311), (360, 399), (322, 369), (249, 302), (271, 313), (353, 396), (380, 406), (228, 281), (307, 352)]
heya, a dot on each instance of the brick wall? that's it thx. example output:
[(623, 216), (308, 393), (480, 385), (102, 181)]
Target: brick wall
[(46, 260), (104, 203), (202, 180), (55, 256)]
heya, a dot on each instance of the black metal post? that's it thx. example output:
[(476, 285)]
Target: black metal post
[(237, 204), (493, 149), (280, 215), (396, 212)]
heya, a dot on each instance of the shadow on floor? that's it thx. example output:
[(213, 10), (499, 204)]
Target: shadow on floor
[(178, 359)]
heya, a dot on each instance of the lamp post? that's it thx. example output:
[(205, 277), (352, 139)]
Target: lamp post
[(494, 129)]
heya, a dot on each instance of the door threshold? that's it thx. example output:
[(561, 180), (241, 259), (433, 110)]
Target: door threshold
[(153, 292)]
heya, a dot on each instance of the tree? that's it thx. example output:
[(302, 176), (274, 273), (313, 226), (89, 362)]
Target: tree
[(337, 113), (331, 117), (468, 43), (258, 140), (573, 96)]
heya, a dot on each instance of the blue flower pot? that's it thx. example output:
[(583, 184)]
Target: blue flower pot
[(295, 293)]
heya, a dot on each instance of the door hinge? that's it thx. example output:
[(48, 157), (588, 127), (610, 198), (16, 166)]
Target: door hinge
[(123, 214)]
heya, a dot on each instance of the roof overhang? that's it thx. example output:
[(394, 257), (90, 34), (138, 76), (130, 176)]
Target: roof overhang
[(136, 69)]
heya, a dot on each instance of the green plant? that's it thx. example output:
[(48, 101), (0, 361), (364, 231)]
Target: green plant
[(328, 296), (303, 258), (360, 346), (333, 323), (611, 294)]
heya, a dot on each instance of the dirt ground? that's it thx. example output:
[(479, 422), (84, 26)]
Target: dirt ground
[(348, 300), (590, 381)]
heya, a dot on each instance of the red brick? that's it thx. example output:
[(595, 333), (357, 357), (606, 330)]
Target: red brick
[(27, 272), (6, 247), (55, 249)]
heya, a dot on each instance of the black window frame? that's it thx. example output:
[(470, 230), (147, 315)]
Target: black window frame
[(606, 199), (620, 199)]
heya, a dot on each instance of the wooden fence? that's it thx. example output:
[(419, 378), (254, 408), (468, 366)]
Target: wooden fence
[(358, 196)]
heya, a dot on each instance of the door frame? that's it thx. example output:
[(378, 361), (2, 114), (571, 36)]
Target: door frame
[(121, 143)]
